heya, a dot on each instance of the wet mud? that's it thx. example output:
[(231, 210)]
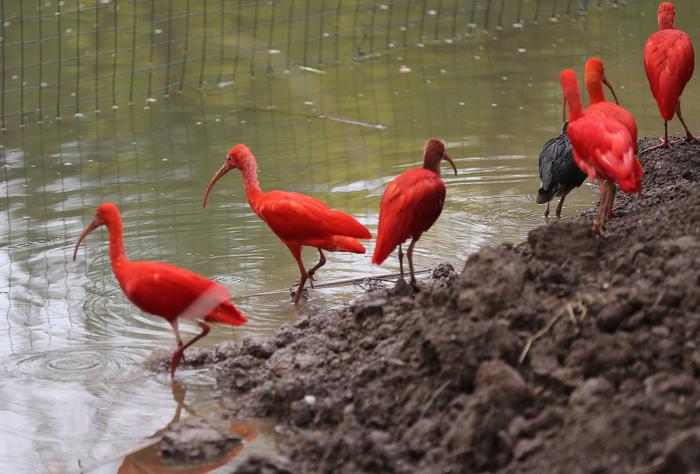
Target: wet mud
[(452, 379)]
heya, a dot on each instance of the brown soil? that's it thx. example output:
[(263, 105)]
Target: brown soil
[(431, 382)]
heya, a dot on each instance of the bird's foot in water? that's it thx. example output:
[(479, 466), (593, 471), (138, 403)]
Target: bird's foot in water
[(310, 278), (293, 293)]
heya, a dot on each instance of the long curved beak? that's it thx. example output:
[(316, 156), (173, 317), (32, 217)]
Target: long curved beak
[(448, 158), (90, 227), (222, 171), (607, 83)]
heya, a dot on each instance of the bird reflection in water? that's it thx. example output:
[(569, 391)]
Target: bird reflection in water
[(148, 459)]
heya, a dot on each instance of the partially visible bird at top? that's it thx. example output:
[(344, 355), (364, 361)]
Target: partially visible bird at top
[(411, 203), (296, 219), (603, 148), (164, 290), (669, 60), (559, 173)]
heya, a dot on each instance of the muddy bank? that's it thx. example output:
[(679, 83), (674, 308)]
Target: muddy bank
[(431, 382)]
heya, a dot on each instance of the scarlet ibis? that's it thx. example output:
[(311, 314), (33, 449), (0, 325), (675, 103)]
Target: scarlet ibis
[(559, 173), (669, 60), (411, 203), (594, 76), (603, 148), (162, 289), (298, 220)]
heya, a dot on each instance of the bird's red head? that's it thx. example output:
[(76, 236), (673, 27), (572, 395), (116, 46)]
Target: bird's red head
[(666, 16), (433, 153), (106, 214), (239, 157), (594, 75)]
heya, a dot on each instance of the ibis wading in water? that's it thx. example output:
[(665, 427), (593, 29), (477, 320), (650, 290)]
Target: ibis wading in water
[(603, 149), (559, 173), (669, 60), (410, 205), (297, 219), (164, 290)]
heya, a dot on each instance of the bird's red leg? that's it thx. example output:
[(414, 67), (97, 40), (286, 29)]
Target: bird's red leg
[(664, 141), (180, 352), (409, 254), (321, 262), (688, 136), (610, 199), (176, 330), (205, 331), (600, 216), (296, 252), (401, 261)]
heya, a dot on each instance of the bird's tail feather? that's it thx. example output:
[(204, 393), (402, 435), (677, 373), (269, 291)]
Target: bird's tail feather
[(226, 313), (345, 224), (342, 243), (383, 249)]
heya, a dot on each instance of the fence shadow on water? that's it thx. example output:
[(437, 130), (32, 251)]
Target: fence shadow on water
[(72, 57)]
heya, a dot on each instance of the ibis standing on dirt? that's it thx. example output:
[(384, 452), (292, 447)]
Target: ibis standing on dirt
[(669, 60), (603, 148)]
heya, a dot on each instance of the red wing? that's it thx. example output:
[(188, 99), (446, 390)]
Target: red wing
[(171, 292), (295, 216), (410, 205), (604, 145)]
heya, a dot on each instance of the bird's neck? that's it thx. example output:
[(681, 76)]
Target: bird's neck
[(595, 91), (433, 166), (251, 184), (573, 102), (665, 22), (117, 254)]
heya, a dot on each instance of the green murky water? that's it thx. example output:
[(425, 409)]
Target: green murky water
[(72, 385)]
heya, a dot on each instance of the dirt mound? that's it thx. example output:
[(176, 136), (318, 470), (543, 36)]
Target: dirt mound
[(431, 382)]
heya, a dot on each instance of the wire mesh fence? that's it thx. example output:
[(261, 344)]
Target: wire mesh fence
[(72, 57)]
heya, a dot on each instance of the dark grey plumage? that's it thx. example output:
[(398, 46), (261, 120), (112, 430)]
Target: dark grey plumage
[(558, 171)]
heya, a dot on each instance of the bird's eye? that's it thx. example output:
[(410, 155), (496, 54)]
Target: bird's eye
[(229, 158)]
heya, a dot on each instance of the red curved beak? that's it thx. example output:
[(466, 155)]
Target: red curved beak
[(222, 171), (448, 158), (607, 83), (90, 227)]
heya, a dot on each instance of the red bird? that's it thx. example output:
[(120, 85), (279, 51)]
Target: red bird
[(298, 220), (164, 290), (594, 75), (411, 203), (669, 60), (603, 149)]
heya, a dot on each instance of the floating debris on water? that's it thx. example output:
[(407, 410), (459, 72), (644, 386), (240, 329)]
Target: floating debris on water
[(311, 69)]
